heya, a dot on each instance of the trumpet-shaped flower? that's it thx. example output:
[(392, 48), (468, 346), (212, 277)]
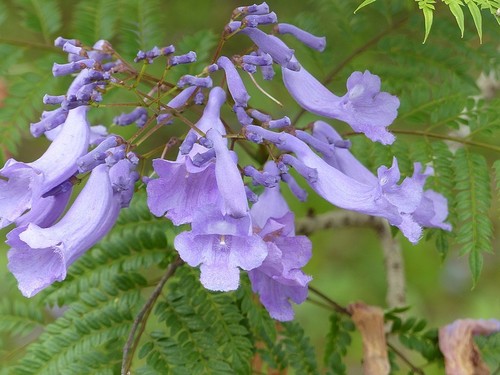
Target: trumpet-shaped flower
[(40, 256), (221, 244), (279, 279), (203, 176), (364, 107), (25, 183)]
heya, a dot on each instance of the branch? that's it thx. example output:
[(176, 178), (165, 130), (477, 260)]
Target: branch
[(390, 246), (141, 318)]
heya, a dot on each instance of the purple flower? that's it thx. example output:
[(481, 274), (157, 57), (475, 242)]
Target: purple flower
[(418, 207), (220, 244), (329, 182), (40, 256), (26, 182), (279, 279), (201, 177), (365, 108)]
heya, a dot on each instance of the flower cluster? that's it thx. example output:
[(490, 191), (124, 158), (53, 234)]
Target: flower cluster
[(231, 226)]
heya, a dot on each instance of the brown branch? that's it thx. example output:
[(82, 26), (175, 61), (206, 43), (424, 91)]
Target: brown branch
[(390, 246), (141, 318)]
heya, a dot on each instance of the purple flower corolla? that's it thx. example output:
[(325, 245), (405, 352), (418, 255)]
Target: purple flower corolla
[(26, 182), (184, 187), (418, 207), (187, 58), (364, 107), (177, 102), (221, 245), (229, 181), (332, 184), (138, 115), (312, 41), (279, 279), (45, 211), (40, 256), (72, 67), (49, 122), (234, 82), (189, 80)]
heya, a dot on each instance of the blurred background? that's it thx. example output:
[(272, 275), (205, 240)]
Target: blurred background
[(434, 82)]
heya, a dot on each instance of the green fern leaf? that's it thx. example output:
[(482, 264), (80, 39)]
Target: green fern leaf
[(476, 16), (473, 201), (96, 20), (42, 16), (142, 29), (337, 341), (299, 350), (427, 8)]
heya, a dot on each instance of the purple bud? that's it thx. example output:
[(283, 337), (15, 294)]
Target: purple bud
[(310, 174), (188, 58), (267, 72), (324, 148), (275, 47), (261, 178), (188, 143), (242, 116), (261, 60), (85, 93), (199, 98), (259, 116), (200, 159), (312, 41), (134, 116), (62, 187), (234, 82), (279, 123), (253, 9), (97, 156), (60, 42), (255, 20), (296, 190), (189, 80), (49, 122), (72, 67), (114, 155), (167, 50), (71, 48), (205, 142), (249, 68), (53, 100), (251, 196), (212, 68)]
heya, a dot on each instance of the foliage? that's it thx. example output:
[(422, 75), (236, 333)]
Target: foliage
[(81, 325), (474, 6)]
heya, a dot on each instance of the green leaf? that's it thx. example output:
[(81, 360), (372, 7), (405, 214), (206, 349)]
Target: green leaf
[(428, 12), (456, 10), (42, 16), (363, 4), (473, 201), (96, 20), (489, 346), (476, 16)]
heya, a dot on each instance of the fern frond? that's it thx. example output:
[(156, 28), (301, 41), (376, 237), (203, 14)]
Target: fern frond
[(42, 17), (427, 8), (299, 350), (142, 28), (489, 346), (96, 20), (337, 341), (473, 201), (24, 104), (202, 332)]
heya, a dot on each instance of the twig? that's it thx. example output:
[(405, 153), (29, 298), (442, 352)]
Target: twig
[(414, 368), (390, 246), (141, 318)]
